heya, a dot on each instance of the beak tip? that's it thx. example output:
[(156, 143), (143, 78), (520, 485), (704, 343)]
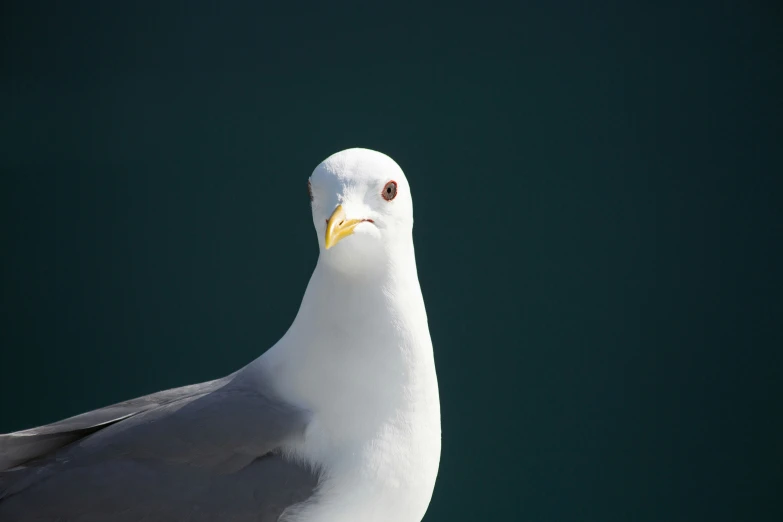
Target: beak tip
[(338, 227)]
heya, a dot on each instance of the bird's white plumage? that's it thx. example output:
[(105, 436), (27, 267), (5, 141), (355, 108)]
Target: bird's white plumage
[(359, 357), (339, 421)]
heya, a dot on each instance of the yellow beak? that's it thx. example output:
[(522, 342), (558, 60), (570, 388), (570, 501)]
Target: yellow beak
[(338, 228)]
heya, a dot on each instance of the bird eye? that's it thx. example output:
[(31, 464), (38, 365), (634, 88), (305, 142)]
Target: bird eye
[(389, 191), (310, 190)]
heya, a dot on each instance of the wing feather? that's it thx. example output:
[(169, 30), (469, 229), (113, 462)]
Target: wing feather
[(195, 453), (22, 446)]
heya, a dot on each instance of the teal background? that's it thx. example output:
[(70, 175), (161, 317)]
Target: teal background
[(597, 194)]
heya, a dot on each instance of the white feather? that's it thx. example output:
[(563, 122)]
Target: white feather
[(359, 356)]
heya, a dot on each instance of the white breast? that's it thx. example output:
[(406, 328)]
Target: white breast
[(387, 476), (359, 358), (375, 430)]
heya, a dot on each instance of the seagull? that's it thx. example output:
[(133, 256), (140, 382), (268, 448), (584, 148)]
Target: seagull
[(339, 421)]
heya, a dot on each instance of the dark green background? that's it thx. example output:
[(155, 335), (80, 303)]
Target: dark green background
[(598, 224)]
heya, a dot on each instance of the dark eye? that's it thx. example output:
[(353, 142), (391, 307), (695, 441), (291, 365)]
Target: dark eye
[(310, 190), (389, 191)]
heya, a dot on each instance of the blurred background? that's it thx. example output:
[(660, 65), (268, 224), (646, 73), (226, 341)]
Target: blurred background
[(608, 325)]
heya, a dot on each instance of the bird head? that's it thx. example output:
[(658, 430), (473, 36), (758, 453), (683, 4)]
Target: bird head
[(362, 210)]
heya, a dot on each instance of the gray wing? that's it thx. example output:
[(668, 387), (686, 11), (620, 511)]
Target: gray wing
[(203, 452), (22, 446)]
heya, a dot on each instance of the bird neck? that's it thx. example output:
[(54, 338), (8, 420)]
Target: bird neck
[(359, 342)]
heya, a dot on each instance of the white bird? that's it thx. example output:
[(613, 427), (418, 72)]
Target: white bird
[(339, 421)]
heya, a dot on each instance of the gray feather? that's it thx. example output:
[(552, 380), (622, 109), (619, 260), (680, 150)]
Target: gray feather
[(17, 448), (202, 452)]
